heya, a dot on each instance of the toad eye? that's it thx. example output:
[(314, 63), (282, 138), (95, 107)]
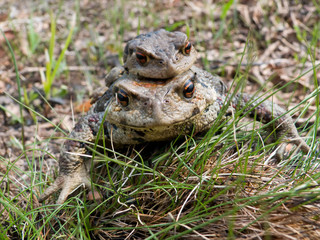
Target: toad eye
[(188, 89), (187, 48), (122, 98), (141, 58)]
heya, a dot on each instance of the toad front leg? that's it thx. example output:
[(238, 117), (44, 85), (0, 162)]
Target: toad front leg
[(74, 168)]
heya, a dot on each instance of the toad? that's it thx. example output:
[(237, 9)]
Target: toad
[(157, 55), (134, 111)]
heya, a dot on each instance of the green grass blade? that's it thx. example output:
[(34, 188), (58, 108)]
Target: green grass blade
[(19, 89)]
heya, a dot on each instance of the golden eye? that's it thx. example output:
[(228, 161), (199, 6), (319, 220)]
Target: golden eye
[(122, 98), (188, 89), (141, 58), (187, 48)]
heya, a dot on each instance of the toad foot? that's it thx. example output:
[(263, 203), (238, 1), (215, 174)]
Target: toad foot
[(68, 183)]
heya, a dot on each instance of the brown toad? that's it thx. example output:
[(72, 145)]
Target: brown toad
[(136, 110), (158, 55)]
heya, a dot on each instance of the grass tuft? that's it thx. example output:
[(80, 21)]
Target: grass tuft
[(53, 66)]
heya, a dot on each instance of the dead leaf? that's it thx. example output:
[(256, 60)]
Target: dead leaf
[(9, 35)]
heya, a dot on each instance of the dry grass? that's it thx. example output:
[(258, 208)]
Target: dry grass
[(193, 189)]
